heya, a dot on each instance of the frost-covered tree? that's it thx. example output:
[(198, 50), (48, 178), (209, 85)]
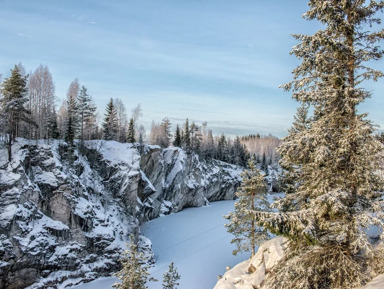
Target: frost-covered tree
[(131, 131), (134, 274), (251, 197), (41, 95), (171, 277), (110, 122), (12, 106), (337, 196), (291, 176), (165, 135)]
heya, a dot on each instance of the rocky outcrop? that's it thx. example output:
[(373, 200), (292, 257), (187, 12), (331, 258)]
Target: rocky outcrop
[(68, 218), (252, 273)]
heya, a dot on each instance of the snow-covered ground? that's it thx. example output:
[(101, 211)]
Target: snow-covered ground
[(195, 239)]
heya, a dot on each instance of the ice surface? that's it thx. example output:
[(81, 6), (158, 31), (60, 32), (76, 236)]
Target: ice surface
[(195, 240)]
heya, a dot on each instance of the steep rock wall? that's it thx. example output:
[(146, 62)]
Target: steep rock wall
[(67, 218)]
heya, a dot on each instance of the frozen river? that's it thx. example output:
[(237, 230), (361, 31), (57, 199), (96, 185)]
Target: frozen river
[(195, 239)]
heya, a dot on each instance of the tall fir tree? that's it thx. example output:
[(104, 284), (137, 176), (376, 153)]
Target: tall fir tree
[(86, 110), (177, 140), (72, 117), (337, 197), (171, 277), (134, 274), (131, 138), (251, 197), (110, 122), (186, 137), (13, 111)]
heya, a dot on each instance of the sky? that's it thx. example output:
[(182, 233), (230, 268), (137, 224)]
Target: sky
[(219, 61)]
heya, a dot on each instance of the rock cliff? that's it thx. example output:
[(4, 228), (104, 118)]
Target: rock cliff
[(67, 217)]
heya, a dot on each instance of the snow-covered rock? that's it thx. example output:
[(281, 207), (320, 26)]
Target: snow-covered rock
[(251, 273), (62, 221)]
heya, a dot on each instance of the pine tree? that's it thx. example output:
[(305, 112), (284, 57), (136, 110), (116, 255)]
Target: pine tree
[(134, 274), (12, 105), (110, 122), (337, 196), (72, 118), (186, 138), (171, 277), (86, 110), (131, 131), (177, 140), (53, 129), (264, 165), (251, 196), (221, 148)]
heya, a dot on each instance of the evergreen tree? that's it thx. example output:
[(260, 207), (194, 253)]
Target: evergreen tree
[(134, 274), (131, 131), (186, 137), (251, 196), (264, 164), (72, 117), (53, 129), (171, 277), (110, 122), (177, 140), (338, 155), (86, 110), (221, 147), (12, 105), (291, 176)]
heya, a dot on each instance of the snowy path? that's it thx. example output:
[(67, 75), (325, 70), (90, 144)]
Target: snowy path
[(195, 240)]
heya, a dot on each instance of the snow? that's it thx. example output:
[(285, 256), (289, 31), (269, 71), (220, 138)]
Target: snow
[(195, 240), (376, 283), (47, 178), (116, 153), (8, 213)]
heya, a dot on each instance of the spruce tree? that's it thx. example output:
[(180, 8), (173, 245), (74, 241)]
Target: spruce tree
[(177, 140), (171, 277), (12, 106), (264, 164), (337, 196), (186, 137), (110, 122), (251, 197), (291, 175), (131, 131), (72, 118), (134, 274), (86, 110)]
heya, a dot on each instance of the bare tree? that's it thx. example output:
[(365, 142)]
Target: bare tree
[(41, 95)]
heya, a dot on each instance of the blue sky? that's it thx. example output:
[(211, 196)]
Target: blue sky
[(219, 61)]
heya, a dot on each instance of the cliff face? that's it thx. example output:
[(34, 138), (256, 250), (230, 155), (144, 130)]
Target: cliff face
[(64, 217)]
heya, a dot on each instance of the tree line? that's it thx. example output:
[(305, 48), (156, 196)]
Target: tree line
[(28, 109)]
